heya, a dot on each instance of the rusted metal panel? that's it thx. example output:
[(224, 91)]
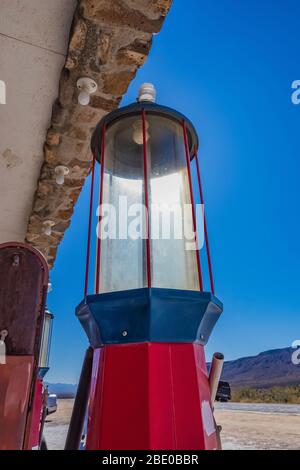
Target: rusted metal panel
[(32, 441), (15, 384), (23, 287)]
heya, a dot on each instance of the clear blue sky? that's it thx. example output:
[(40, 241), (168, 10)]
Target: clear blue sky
[(228, 65)]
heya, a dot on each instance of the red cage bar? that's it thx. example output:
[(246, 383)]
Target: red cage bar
[(88, 249), (212, 287), (99, 209), (146, 199), (187, 154)]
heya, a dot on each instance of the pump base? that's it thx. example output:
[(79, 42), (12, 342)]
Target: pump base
[(150, 396)]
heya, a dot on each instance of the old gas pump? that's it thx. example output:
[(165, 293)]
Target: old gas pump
[(25, 328), (150, 316)]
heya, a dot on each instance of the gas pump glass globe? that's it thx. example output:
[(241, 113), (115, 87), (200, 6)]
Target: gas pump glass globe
[(123, 260), (46, 340)]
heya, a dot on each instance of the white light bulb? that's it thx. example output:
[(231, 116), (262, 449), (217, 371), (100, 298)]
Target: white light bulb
[(86, 86), (60, 172), (83, 98), (60, 179), (137, 134), (48, 231), (147, 92)]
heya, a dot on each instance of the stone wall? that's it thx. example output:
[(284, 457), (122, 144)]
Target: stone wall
[(109, 41)]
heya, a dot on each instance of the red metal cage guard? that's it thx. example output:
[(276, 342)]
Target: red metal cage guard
[(212, 287), (88, 248), (97, 287), (148, 250), (188, 164), (146, 198)]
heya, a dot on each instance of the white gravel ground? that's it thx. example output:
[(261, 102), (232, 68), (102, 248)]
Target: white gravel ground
[(245, 426)]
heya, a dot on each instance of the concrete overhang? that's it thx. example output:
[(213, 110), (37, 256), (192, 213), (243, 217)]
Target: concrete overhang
[(42, 124), (34, 38)]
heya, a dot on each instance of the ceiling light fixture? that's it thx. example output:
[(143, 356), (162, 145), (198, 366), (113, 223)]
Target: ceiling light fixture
[(86, 86), (48, 224), (60, 172)]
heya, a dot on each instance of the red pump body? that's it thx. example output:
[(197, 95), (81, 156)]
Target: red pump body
[(150, 396)]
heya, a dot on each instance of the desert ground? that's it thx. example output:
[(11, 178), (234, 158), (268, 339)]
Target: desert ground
[(258, 426), (56, 425), (244, 426)]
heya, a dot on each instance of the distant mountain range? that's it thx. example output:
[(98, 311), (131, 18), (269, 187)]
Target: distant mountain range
[(267, 369), (63, 390)]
